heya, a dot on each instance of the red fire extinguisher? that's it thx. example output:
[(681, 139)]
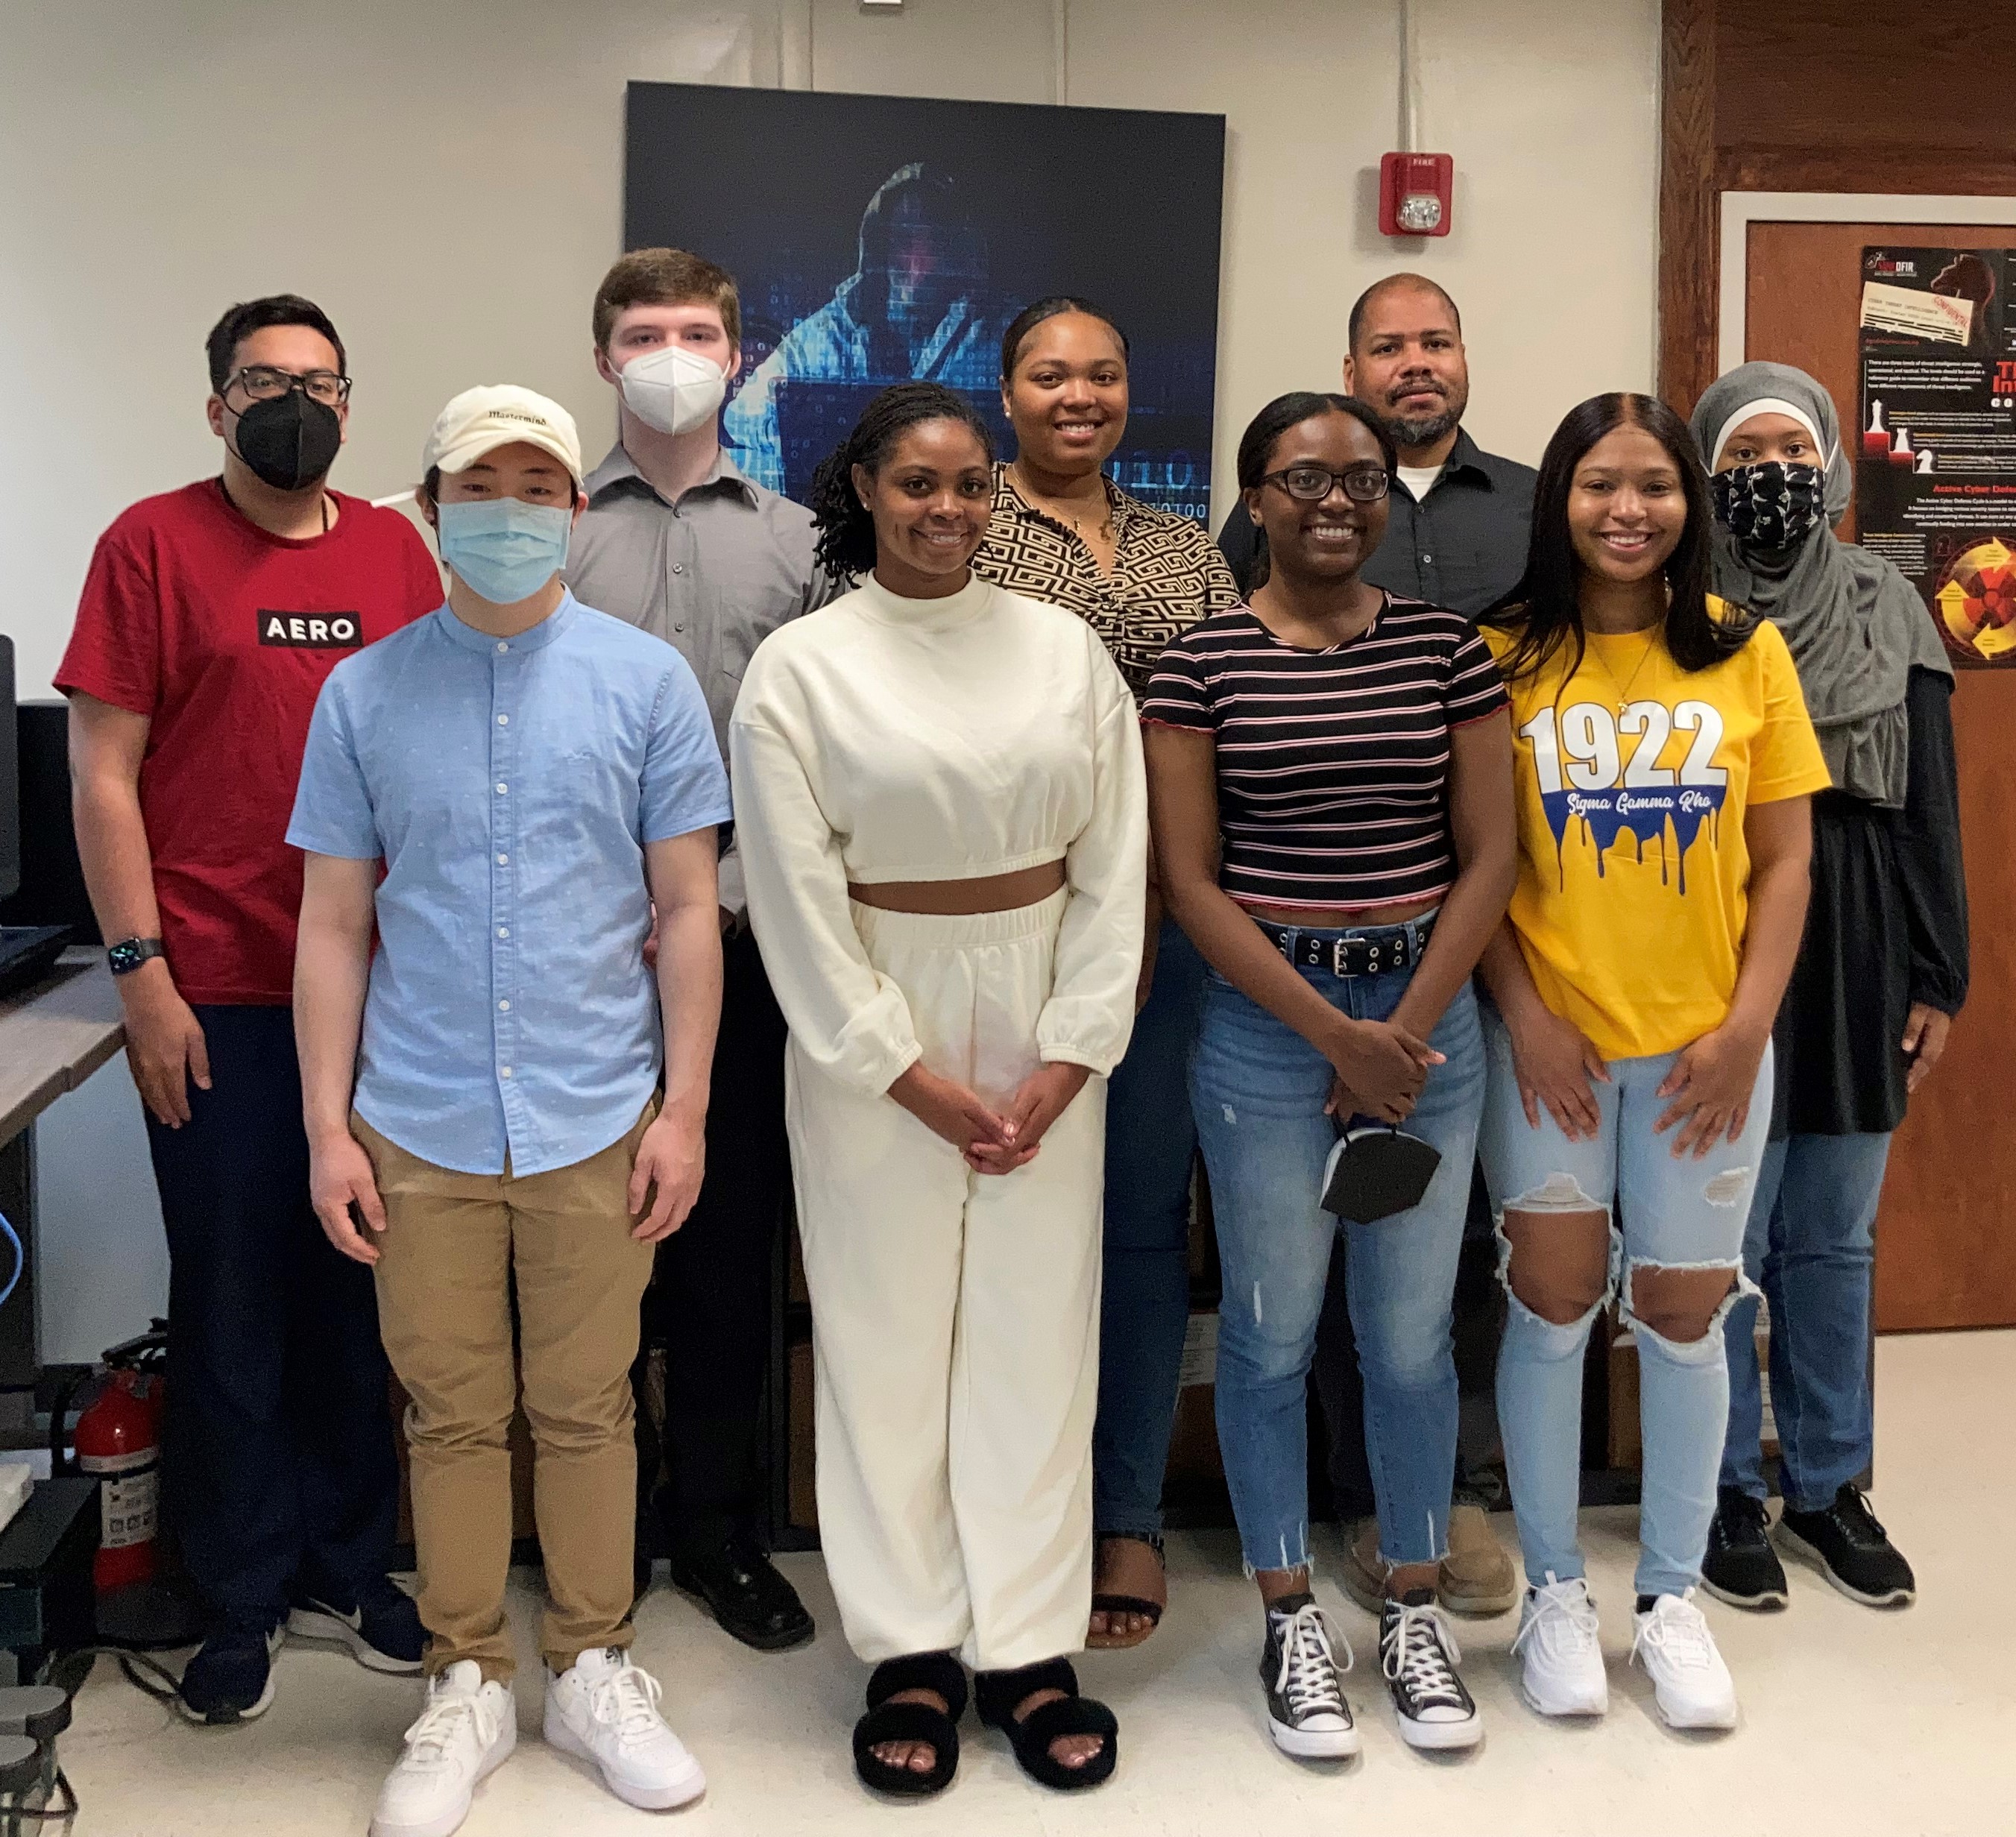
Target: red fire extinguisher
[(118, 1443)]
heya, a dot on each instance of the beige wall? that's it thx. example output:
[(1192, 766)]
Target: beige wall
[(445, 176)]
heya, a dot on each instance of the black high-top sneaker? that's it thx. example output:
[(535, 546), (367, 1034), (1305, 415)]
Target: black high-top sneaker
[(1741, 1566), (1853, 1550), (1418, 1655), (1307, 1714)]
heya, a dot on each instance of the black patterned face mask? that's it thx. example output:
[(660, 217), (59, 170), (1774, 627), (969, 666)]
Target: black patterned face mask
[(1770, 505)]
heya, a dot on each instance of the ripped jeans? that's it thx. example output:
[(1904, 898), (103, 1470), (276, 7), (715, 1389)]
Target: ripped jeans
[(1676, 1214), (1258, 1089)]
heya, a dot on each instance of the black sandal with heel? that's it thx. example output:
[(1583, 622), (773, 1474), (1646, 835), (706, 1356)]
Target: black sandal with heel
[(937, 1729), (998, 1692), (1114, 1605)]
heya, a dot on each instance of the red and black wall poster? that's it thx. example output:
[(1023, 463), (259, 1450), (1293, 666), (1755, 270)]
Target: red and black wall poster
[(1935, 463)]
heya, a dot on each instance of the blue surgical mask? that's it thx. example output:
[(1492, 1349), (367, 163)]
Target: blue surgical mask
[(504, 548)]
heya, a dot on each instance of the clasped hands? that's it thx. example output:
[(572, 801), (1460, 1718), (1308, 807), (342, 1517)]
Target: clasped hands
[(992, 1142), (1378, 1068)]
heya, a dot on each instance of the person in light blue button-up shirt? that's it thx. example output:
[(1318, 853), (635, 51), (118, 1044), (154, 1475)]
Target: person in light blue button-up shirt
[(541, 785), (512, 787)]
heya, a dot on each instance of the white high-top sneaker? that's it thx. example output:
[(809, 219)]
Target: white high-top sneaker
[(606, 1709), (1689, 1681), (466, 1732), (1556, 1642)]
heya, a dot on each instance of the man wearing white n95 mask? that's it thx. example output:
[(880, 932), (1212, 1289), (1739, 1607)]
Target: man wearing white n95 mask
[(677, 541)]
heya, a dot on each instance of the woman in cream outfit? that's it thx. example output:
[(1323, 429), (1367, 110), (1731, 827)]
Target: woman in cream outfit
[(941, 810)]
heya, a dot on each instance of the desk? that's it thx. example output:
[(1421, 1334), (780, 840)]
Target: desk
[(53, 1035)]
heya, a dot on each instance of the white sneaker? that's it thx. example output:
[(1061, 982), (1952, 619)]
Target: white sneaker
[(606, 1709), (1563, 1672), (466, 1732), (1689, 1682)]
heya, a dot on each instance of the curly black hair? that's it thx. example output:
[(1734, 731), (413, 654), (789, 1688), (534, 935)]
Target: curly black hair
[(846, 540)]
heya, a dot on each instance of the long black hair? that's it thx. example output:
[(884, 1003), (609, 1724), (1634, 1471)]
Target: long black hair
[(846, 540), (1256, 448), (1033, 315), (1545, 609)]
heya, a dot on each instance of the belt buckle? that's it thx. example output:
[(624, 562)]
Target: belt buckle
[(1343, 948)]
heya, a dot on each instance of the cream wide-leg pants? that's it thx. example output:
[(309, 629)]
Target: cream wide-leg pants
[(955, 1318)]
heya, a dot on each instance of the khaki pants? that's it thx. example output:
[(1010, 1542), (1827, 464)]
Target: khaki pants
[(452, 1244)]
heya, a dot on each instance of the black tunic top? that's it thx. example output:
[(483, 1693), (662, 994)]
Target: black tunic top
[(1886, 927)]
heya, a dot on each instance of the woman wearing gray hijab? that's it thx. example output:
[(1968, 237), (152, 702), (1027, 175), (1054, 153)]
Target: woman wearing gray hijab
[(1883, 969)]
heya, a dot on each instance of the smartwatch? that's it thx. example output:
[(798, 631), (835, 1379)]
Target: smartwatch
[(125, 958)]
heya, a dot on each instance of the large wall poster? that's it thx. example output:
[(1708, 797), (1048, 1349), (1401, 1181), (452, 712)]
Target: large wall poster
[(1936, 463), (876, 239)]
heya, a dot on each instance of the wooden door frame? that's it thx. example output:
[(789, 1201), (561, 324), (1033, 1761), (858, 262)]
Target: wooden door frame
[(1704, 157), (1741, 209)]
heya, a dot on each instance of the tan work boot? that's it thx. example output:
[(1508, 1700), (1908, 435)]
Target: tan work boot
[(1364, 1574), (1477, 1575)]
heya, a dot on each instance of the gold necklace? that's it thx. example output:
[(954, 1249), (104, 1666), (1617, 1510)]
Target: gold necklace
[(1624, 694), (1103, 529)]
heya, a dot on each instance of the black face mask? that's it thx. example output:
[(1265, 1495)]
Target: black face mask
[(288, 442), (1770, 505)]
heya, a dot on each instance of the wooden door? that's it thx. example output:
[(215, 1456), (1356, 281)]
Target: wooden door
[(1945, 1244)]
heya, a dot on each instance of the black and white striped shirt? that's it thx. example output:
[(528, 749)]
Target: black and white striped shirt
[(1333, 766)]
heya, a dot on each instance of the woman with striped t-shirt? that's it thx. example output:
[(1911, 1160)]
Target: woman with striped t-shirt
[(1331, 789)]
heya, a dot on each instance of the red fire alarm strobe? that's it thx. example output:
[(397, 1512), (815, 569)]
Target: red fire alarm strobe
[(1414, 191)]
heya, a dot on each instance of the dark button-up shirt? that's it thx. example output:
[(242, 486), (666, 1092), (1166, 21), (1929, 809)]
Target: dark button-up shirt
[(1464, 545), (714, 575)]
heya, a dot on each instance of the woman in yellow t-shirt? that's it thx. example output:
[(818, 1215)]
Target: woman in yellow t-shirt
[(1664, 766)]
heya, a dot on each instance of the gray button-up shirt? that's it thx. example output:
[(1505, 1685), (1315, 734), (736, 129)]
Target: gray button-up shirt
[(714, 575), (1463, 547)]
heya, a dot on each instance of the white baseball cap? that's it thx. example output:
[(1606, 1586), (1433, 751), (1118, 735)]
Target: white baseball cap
[(480, 420)]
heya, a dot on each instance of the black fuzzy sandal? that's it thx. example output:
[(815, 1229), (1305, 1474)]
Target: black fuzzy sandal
[(938, 1729), (998, 1692), (1111, 1605)]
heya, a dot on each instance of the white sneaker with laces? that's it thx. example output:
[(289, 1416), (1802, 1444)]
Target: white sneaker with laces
[(1556, 1643), (1307, 1714), (1689, 1682), (465, 1733), (606, 1709)]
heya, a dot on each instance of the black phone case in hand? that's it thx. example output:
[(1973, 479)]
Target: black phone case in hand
[(1375, 1171)]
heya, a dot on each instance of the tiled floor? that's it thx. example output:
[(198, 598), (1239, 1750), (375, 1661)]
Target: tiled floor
[(1853, 1721)]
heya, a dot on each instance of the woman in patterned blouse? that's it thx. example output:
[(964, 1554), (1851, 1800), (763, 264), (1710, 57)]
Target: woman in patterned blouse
[(1061, 531)]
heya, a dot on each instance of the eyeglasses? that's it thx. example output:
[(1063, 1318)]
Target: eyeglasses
[(1311, 485), (262, 383)]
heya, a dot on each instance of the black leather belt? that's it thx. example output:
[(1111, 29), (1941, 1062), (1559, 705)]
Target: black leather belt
[(1369, 950)]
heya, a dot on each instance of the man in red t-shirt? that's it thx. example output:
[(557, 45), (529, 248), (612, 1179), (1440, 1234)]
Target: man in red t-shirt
[(210, 618)]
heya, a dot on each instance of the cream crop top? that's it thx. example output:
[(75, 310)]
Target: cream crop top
[(883, 739)]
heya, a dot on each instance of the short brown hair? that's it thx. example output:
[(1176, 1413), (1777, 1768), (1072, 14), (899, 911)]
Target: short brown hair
[(666, 277)]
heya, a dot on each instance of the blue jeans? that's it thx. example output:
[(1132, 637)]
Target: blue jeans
[(1145, 1308), (1810, 1246), (1258, 1089), (1678, 1214)]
